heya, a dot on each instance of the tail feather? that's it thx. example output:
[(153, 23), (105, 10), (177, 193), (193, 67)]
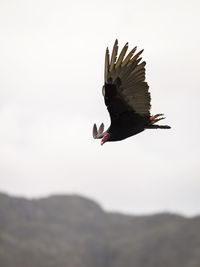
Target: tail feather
[(154, 119), (159, 119), (158, 127)]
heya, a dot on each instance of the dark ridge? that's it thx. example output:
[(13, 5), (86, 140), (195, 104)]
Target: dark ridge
[(73, 231)]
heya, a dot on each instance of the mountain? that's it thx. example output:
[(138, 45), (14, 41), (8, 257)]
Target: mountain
[(73, 231)]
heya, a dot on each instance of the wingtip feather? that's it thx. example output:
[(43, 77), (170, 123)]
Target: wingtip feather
[(94, 131), (101, 129)]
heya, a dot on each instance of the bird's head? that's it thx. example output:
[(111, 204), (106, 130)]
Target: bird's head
[(105, 138)]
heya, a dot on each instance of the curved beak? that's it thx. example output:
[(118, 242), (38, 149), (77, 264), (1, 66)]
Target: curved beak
[(102, 142)]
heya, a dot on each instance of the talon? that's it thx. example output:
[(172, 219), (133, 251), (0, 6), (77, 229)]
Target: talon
[(155, 118)]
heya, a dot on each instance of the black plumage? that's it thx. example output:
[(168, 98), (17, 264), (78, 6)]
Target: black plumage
[(127, 97)]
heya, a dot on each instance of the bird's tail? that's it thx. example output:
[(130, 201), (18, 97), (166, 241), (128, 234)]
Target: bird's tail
[(154, 119), (158, 127)]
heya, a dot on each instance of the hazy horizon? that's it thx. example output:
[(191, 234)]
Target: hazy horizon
[(123, 212)]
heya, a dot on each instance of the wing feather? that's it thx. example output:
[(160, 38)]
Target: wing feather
[(94, 132), (107, 56), (128, 76), (127, 59), (121, 56), (126, 71), (135, 58), (98, 134), (101, 129), (114, 55)]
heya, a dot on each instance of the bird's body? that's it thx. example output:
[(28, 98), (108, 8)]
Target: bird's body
[(126, 96), (122, 127)]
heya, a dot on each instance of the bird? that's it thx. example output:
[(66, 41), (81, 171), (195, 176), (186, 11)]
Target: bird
[(126, 96)]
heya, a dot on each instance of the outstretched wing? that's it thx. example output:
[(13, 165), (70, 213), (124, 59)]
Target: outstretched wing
[(125, 88)]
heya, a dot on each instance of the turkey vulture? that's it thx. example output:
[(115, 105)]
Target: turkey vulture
[(127, 97)]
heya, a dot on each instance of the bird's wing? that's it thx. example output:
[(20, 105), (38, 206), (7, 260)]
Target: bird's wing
[(125, 88), (98, 133)]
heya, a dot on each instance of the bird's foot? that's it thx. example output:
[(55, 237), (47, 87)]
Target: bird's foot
[(155, 118)]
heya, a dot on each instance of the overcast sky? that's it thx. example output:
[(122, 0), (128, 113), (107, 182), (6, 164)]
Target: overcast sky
[(51, 75)]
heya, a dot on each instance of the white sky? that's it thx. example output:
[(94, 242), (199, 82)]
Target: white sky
[(51, 75)]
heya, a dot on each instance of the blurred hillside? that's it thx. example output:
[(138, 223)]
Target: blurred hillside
[(72, 231)]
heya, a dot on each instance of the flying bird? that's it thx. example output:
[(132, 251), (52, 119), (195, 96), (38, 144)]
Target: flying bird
[(126, 96)]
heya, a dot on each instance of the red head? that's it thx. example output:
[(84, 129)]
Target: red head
[(105, 138)]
